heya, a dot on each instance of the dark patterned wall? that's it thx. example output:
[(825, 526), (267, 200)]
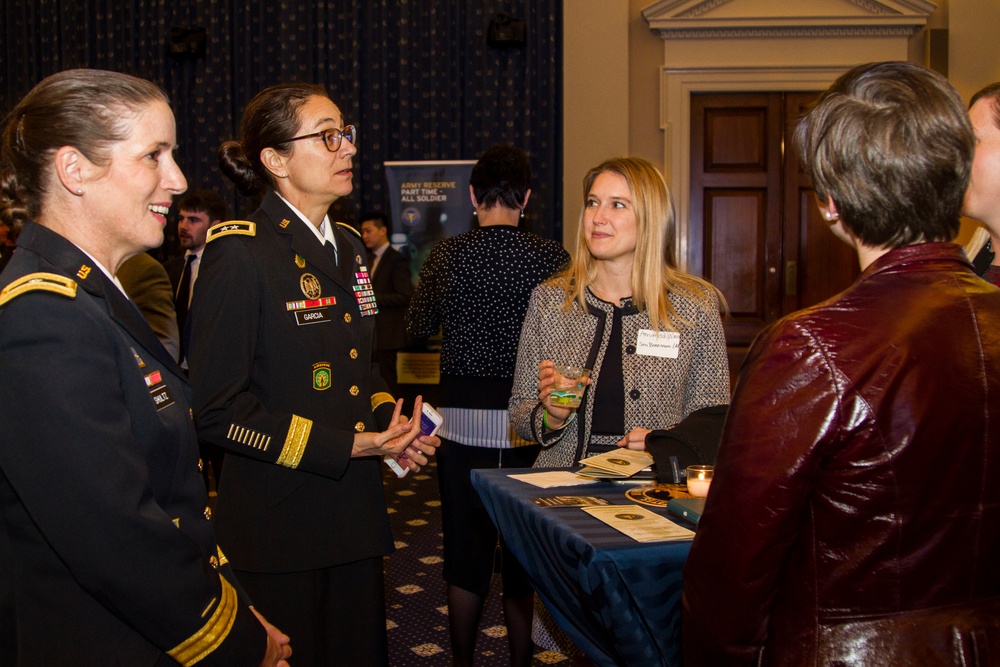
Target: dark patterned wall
[(415, 76)]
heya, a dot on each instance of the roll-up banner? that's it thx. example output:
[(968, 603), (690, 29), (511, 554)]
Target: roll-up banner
[(429, 201)]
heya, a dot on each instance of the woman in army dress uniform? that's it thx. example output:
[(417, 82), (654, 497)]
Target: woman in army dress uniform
[(281, 361), (107, 551)]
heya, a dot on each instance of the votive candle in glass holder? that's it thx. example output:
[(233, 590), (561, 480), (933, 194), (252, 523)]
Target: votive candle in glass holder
[(699, 478)]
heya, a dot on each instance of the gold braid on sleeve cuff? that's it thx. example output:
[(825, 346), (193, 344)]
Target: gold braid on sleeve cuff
[(380, 398), (295, 442), (212, 634)]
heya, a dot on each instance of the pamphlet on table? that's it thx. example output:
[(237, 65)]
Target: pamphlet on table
[(616, 464), (553, 478), (639, 523), (569, 501)]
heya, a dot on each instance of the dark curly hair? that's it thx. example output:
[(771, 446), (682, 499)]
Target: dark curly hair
[(203, 201), (501, 176)]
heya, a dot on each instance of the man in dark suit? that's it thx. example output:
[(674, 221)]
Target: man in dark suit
[(197, 211), (390, 273)]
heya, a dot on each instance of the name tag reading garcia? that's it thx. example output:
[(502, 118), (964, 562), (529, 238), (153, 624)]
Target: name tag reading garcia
[(313, 311), (316, 316), (663, 344)]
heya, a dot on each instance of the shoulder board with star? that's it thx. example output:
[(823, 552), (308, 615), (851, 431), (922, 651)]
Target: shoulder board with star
[(347, 226), (230, 228), (33, 282)]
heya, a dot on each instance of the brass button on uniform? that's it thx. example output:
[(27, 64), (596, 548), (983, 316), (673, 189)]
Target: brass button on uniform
[(354, 390), (354, 353), (214, 562), (208, 513), (201, 465), (347, 317), (359, 427)]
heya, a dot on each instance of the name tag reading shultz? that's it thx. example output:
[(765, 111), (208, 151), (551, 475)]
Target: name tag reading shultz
[(158, 390)]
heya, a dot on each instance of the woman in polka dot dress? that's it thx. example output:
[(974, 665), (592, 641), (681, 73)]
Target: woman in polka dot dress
[(476, 287)]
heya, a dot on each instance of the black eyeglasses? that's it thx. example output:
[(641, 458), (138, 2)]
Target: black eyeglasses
[(332, 138)]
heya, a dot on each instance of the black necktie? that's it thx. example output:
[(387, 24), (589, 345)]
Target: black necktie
[(184, 293), (371, 262)]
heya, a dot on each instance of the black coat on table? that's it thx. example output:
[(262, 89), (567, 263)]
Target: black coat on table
[(281, 365), (393, 289), (107, 551)]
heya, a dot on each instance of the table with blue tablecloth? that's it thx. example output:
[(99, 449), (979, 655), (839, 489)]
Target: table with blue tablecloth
[(619, 600)]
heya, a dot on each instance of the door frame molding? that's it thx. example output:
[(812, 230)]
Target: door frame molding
[(731, 46), (676, 88)]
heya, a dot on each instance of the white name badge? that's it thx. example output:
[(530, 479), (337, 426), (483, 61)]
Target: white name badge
[(665, 344)]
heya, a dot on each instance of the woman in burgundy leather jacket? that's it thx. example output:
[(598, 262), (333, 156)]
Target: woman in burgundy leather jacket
[(854, 518)]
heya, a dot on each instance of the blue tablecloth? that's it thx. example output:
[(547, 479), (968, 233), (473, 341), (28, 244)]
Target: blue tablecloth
[(619, 600)]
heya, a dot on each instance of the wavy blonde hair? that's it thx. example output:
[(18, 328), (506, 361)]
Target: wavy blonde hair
[(655, 272)]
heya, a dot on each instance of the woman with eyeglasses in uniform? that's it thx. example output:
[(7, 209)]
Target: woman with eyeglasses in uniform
[(282, 370)]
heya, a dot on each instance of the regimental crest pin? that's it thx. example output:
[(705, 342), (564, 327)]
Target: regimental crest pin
[(310, 286), (300, 261), (321, 376)]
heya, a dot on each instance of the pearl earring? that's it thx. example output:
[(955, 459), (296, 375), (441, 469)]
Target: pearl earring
[(79, 191)]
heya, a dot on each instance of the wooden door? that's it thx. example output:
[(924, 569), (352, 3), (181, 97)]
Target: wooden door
[(755, 232), (817, 264)]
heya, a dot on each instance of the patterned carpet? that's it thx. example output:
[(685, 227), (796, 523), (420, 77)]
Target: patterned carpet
[(416, 608)]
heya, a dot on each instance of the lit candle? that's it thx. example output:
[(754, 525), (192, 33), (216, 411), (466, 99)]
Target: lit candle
[(699, 487), (699, 478)]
